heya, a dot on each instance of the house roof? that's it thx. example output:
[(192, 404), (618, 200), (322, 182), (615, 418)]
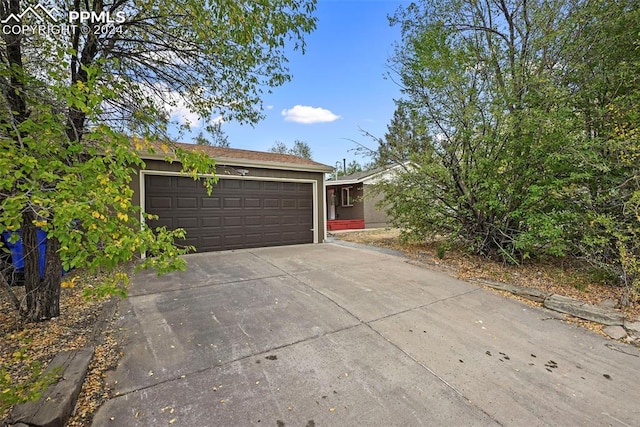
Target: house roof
[(239, 157), (358, 176), (362, 177)]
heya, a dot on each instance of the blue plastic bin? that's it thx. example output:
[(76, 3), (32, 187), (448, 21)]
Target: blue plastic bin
[(17, 257)]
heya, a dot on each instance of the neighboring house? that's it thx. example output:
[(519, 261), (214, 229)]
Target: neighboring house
[(352, 200), (261, 199)]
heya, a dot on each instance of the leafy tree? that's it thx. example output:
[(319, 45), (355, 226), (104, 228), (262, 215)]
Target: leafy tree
[(478, 82), (279, 147), (605, 83), (300, 149), (529, 117), (67, 98), (406, 135), (217, 137), (352, 167)]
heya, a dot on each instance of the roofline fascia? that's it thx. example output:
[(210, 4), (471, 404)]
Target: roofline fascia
[(346, 182), (228, 161)]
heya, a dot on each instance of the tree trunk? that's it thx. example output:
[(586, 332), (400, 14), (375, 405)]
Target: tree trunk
[(42, 291)]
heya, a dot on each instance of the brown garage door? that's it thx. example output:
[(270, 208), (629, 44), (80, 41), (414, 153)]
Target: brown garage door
[(237, 214)]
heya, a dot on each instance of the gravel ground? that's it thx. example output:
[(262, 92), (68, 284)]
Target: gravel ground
[(24, 345)]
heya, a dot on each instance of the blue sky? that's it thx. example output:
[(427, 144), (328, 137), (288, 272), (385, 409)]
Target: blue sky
[(341, 77)]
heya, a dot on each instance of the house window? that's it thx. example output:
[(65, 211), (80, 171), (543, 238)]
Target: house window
[(347, 198)]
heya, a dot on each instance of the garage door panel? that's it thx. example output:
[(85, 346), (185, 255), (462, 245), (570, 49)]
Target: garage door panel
[(230, 184), (210, 202), (232, 202), (210, 243), (189, 183), (211, 221), (289, 220), (232, 221), (189, 241), (187, 203), (252, 185), (252, 203), (160, 203), (187, 222), (289, 186), (289, 236), (159, 180), (271, 220), (238, 214), (305, 204), (272, 237), (163, 222), (289, 204), (233, 239), (251, 220), (271, 203), (271, 186), (253, 239)]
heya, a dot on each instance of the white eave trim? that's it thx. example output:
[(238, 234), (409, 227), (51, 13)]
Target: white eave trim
[(345, 182)]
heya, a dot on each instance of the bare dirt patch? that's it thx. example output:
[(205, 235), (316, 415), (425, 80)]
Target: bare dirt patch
[(563, 276)]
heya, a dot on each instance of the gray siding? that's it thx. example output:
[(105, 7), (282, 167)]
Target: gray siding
[(350, 212), (374, 217)]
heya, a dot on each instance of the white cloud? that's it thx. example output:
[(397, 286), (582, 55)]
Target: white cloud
[(216, 120), (184, 116), (307, 115), (269, 107)]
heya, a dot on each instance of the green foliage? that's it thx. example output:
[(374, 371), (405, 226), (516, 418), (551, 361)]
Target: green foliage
[(520, 121), (216, 136), (300, 149), (14, 391), (352, 167), (76, 111)]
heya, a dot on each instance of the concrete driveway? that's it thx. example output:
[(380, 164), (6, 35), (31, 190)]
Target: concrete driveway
[(318, 335)]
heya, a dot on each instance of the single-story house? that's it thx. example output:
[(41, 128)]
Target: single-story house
[(261, 199), (352, 200)]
